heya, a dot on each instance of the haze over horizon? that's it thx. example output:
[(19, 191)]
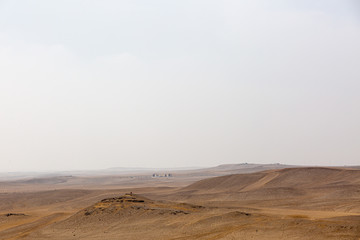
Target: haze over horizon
[(101, 84)]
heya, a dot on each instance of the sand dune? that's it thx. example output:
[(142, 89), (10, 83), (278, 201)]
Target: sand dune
[(291, 203), (285, 178), (310, 184)]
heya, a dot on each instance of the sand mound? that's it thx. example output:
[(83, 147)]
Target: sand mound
[(129, 214), (127, 208), (131, 204)]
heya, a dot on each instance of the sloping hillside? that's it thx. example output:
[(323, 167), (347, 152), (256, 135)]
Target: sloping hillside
[(305, 188), (283, 178)]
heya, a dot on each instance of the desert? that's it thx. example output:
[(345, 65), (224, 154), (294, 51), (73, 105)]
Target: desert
[(180, 120), (280, 202)]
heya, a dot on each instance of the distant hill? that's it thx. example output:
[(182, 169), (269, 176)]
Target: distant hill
[(280, 186), (310, 177)]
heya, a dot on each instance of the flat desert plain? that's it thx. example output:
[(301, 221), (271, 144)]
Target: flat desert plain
[(226, 202)]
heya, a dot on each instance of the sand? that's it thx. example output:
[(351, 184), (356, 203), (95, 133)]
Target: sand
[(290, 203)]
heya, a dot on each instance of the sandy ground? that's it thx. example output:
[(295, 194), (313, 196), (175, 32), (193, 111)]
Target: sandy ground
[(298, 203)]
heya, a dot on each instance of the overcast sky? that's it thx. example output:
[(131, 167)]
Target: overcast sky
[(97, 84)]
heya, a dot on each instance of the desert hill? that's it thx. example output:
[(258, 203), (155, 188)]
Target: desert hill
[(310, 177), (317, 188), (132, 204)]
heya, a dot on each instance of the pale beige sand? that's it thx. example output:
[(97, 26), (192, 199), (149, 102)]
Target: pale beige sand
[(297, 203)]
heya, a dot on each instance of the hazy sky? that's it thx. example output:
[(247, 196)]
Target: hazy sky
[(96, 84)]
